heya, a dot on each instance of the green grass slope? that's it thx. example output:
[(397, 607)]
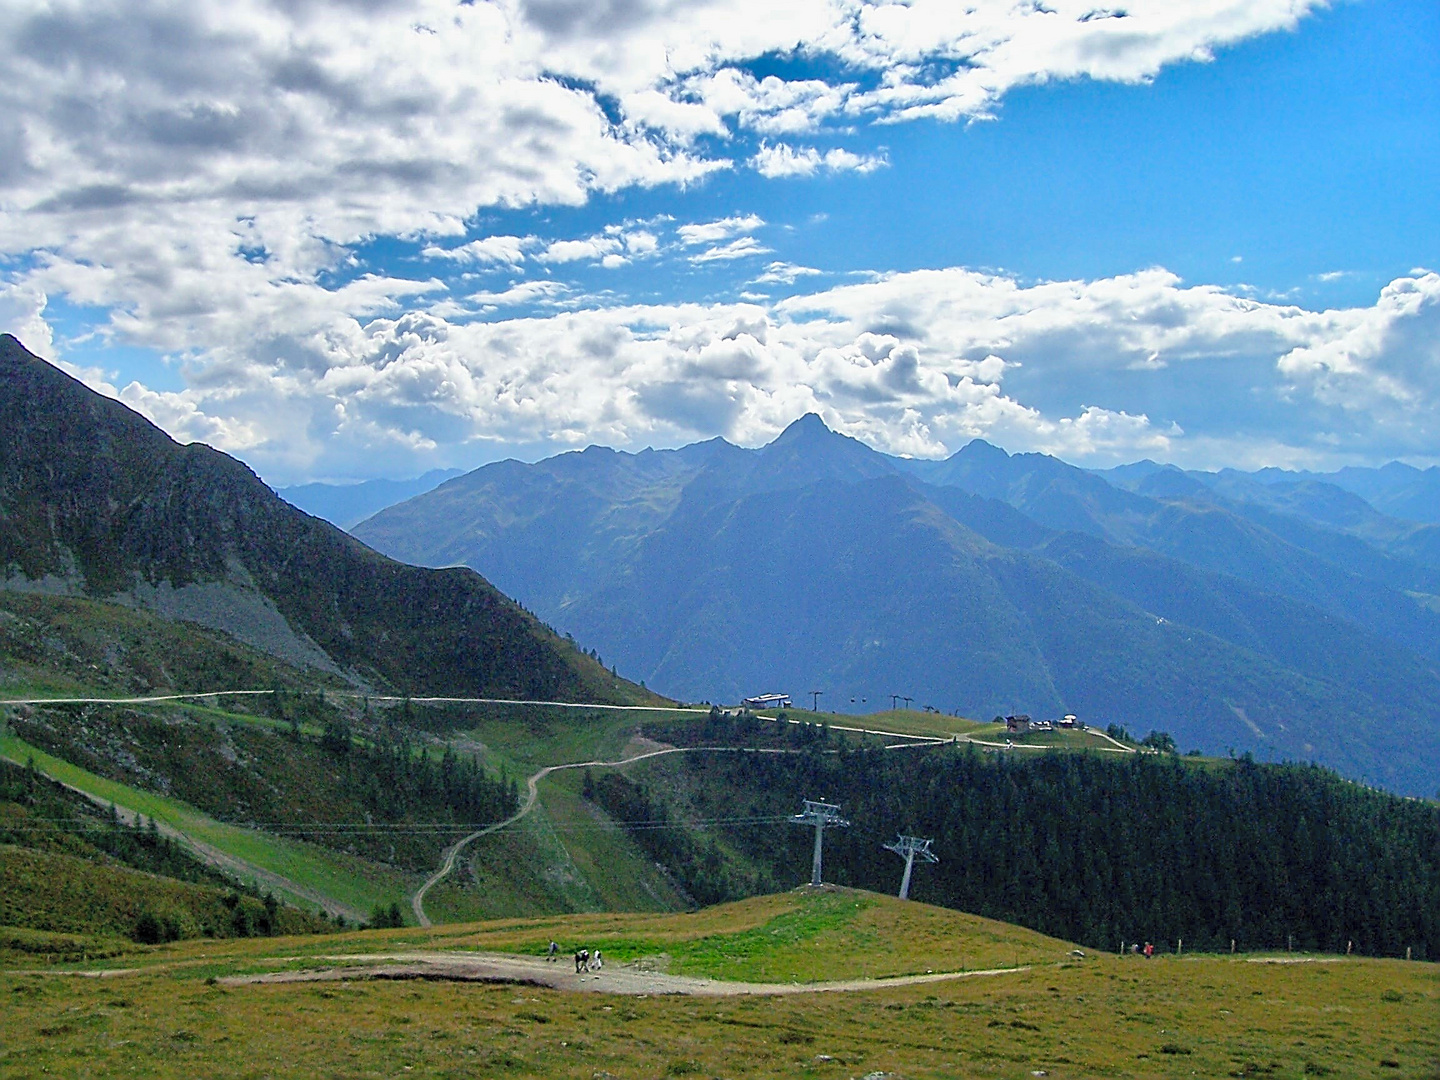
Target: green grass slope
[(42, 890), (302, 873)]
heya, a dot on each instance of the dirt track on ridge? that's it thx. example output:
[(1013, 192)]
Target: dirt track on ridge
[(561, 975)]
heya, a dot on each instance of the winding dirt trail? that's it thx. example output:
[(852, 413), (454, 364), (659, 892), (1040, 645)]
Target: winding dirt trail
[(560, 975), (532, 795)]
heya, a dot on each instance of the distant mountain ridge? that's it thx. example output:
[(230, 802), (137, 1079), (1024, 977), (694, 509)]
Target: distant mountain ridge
[(346, 505), (987, 583), (97, 501)]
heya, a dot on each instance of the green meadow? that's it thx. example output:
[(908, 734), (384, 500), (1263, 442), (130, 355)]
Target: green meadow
[(1056, 1015)]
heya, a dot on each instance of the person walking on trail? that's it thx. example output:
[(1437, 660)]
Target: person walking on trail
[(1149, 950)]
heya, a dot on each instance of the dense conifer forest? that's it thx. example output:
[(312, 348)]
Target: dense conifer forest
[(1100, 849)]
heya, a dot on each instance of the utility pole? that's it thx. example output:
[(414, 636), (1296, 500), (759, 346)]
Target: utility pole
[(815, 700), (908, 847), (823, 816)]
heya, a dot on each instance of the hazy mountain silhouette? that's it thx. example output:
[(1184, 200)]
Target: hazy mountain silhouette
[(986, 583), (349, 504)]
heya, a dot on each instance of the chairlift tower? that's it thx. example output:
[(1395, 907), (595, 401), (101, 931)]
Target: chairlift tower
[(823, 816), (908, 848)]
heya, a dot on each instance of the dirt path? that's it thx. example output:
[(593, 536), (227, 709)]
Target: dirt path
[(532, 795), (561, 975)]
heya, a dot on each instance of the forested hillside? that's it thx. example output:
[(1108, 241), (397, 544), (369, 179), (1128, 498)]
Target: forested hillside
[(69, 867), (1092, 848)]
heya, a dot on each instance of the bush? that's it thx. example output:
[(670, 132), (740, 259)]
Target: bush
[(386, 918), (156, 928)]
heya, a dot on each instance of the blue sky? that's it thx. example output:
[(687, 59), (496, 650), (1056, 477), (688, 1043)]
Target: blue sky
[(1204, 232)]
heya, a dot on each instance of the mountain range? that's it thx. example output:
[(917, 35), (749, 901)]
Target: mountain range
[(1248, 616), (349, 504), (96, 501)]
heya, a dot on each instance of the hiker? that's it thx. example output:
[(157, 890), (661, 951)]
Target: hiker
[(1149, 950), (582, 960), (553, 951)]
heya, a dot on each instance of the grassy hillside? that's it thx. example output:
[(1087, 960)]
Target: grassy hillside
[(277, 776), (1097, 1016), (303, 874), (45, 891), (67, 867)]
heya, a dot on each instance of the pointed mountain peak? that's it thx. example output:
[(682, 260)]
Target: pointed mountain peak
[(980, 450), (808, 427)]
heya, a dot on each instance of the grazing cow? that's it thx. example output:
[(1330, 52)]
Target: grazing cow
[(595, 962), (553, 951), (582, 960)]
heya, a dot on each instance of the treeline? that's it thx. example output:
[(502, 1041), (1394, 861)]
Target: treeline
[(36, 812), (373, 790), (395, 781), (1101, 849), (696, 860), (70, 869)]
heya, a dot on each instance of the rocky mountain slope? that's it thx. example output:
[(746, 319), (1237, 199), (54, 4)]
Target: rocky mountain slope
[(96, 501)]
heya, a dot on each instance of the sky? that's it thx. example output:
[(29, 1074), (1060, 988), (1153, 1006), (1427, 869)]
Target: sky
[(347, 239)]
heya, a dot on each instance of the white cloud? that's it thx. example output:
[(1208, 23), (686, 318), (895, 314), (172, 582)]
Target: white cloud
[(1383, 361), (1098, 371), (783, 160), (509, 250), (711, 232), (22, 314), (784, 273), (201, 168), (742, 247), (590, 249), (524, 292)]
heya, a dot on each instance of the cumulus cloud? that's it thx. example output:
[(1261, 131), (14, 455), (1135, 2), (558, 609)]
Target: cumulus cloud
[(782, 160), (508, 250), (201, 166), (785, 273), (915, 363), (588, 250), (1382, 361), (22, 313), (742, 247), (523, 292)]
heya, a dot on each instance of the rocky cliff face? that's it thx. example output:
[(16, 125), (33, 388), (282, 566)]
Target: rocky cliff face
[(96, 500)]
